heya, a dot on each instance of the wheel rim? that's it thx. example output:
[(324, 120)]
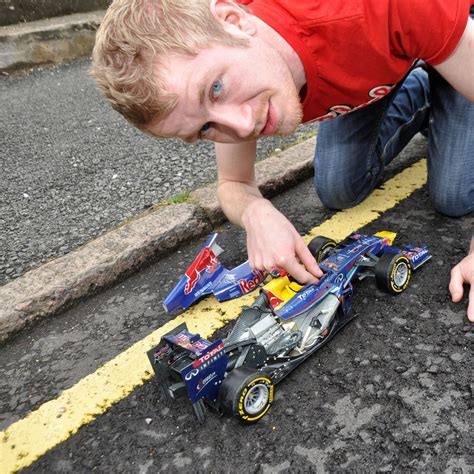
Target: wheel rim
[(256, 399), (326, 252), (400, 275)]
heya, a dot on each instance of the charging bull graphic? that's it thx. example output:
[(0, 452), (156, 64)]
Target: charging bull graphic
[(206, 261), (206, 275)]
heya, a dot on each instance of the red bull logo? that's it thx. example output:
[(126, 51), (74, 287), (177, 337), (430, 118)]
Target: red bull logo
[(273, 299), (249, 285), (205, 261)]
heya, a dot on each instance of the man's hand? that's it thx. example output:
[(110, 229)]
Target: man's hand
[(462, 273), (273, 242)]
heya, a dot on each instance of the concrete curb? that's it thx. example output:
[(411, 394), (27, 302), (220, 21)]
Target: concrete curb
[(49, 41), (53, 287), (273, 176)]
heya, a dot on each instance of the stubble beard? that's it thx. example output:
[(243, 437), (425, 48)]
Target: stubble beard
[(282, 128), (288, 122), (296, 107)]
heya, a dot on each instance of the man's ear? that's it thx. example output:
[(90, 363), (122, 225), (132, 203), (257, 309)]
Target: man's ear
[(233, 18)]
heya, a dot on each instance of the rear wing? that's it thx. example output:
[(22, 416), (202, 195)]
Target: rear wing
[(206, 275), (199, 364)]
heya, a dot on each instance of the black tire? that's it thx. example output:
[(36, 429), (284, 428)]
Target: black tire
[(321, 247), (246, 394), (393, 273)]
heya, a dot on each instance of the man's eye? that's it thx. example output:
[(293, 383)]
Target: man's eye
[(204, 129), (216, 89)]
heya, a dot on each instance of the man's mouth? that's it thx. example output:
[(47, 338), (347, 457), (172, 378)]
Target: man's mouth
[(271, 122)]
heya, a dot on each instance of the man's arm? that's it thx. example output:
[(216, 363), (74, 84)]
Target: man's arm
[(462, 273), (458, 69), (272, 241)]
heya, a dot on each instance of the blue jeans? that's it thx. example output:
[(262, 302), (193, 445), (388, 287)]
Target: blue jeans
[(353, 149)]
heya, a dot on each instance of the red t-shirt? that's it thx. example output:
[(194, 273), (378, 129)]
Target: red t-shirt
[(354, 52)]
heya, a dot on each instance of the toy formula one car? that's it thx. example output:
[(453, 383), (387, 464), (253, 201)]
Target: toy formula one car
[(285, 324)]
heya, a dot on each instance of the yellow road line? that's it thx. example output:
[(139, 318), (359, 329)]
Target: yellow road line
[(55, 421)]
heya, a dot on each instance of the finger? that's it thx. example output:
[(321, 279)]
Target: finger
[(254, 262), (470, 306), (258, 264), (299, 272), (455, 285), (308, 260), (251, 259), (254, 258)]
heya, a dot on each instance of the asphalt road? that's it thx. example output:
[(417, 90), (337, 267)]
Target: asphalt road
[(391, 393), (71, 168)]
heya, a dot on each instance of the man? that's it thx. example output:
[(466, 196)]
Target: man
[(216, 70)]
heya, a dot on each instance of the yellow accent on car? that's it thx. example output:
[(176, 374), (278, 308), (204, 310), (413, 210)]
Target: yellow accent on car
[(283, 288), (387, 234)]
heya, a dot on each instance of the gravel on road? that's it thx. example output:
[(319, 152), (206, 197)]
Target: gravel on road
[(72, 168)]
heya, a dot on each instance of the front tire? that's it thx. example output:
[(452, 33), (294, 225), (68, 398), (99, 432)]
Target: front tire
[(246, 394), (321, 248), (393, 273)]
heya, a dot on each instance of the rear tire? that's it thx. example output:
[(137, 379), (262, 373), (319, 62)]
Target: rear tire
[(393, 273), (246, 394), (321, 248)]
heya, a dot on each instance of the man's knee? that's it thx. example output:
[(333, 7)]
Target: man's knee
[(337, 194), (452, 202)]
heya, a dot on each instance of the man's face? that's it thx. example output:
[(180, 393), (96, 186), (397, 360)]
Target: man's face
[(230, 95)]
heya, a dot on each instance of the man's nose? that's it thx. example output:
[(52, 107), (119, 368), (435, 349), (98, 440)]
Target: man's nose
[(238, 119)]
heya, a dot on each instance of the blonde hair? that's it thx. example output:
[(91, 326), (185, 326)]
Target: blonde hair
[(132, 38)]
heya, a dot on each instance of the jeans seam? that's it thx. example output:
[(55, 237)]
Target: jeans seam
[(373, 147), (397, 132)]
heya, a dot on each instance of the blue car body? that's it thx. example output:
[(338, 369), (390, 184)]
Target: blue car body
[(285, 325)]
